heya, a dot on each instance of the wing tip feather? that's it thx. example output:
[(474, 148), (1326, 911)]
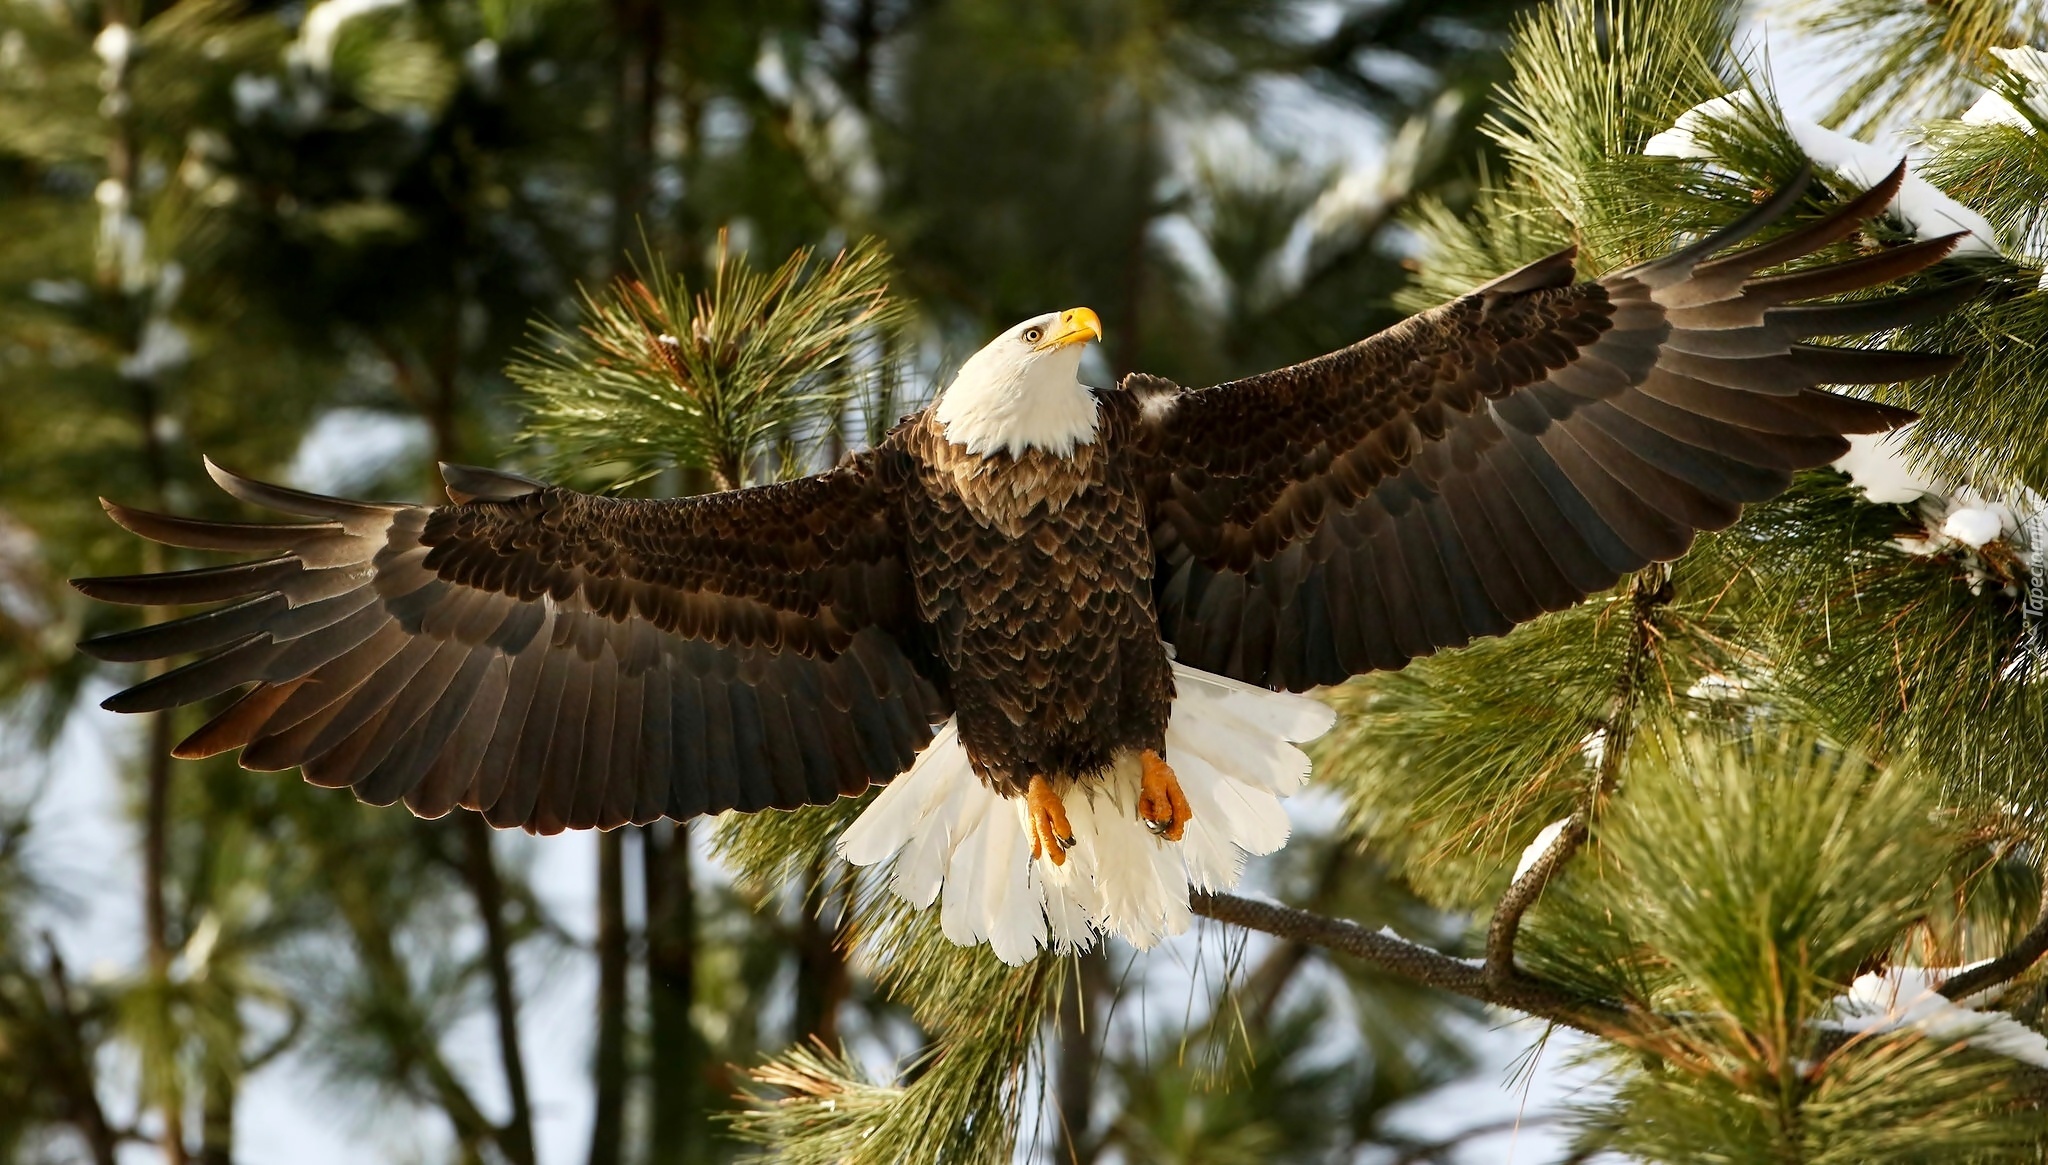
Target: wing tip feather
[(1556, 269), (194, 747), (471, 483)]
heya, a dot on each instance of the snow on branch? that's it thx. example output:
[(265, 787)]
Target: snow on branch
[(1909, 999), (2029, 67), (1922, 207), (1961, 520)]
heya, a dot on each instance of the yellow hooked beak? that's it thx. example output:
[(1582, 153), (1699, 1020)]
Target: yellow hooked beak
[(1077, 325)]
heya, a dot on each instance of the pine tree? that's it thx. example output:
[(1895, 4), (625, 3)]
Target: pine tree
[(1763, 800), (1768, 799), (321, 213)]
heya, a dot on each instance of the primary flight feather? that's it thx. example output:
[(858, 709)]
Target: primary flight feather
[(1062, 624)]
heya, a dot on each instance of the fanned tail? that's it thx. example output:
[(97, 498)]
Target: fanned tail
[(1233, 748)]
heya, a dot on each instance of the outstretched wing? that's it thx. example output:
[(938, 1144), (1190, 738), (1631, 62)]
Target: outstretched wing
[(1512, 451), (549, 658)]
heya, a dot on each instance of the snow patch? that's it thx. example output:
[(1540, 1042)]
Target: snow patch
[(1534, 851), (58, 292), (321, 29), (1907, 999), (1973, 526), (113, 45), (255, 95), (1960, 520), (1923, 208), (163, 348), (1594, 747), (2030, 66), (1719, 686), (1877, 464), (480, 62)]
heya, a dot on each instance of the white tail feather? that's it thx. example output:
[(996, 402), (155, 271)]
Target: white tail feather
[(1232, 746)]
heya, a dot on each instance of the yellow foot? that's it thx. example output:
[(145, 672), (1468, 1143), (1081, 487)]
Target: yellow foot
[(1161, 805), (1051, 834)]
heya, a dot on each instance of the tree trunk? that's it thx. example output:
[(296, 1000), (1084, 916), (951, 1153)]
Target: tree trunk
[(80, 1082), (481, 872), (156, 810), (1128, 349), (822, 979), (156, 825), (678, 1131), (608, 1120), (636, 99), (636, 68), (480, 867), (217, 1115), (1082, 1014)]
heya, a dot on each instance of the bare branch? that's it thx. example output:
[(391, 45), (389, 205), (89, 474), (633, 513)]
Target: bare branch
[(404, 1029), (1419, 963), (73, 1057), (1506, 924)]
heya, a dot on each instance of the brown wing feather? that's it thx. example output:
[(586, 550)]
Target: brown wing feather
[(551, 659), (1512, 451)]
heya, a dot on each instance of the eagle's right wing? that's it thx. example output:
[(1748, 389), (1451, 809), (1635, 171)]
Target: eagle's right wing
[(1514, 450), (549, 658)]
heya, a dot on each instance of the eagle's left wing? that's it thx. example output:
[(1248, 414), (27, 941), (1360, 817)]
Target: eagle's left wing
[(549, 658), (1512, 451)]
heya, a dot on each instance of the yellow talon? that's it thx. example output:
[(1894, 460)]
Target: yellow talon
[(1161, 805), (1051, 833)]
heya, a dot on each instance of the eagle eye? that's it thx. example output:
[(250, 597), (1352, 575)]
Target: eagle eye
[(1033, 334)]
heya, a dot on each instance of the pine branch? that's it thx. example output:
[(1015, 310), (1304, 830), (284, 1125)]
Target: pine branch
[(1586, 88), (1737, 854), (2030, 949), (962, 1098), (659, 375), (1628, 1027), (1651, 591), (1506, 924), (1421, 964), (960, 1101), (1899, 58)]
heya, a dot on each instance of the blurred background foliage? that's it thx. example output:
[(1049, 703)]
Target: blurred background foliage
[(309, 240), (335, 242)]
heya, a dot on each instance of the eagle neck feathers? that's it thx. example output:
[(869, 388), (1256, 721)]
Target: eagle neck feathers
[(1006, 491)]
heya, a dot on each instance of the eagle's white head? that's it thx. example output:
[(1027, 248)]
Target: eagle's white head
[(1023, 391)]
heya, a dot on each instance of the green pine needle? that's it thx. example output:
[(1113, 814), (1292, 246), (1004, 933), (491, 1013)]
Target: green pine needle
[(1900, 654), (657, 376), (985, 1017), (1892, 1100), (1593, 79), (1910, 58), (963, 1100)]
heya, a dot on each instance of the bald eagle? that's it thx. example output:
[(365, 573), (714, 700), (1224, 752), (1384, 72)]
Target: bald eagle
[(1062, 625)]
